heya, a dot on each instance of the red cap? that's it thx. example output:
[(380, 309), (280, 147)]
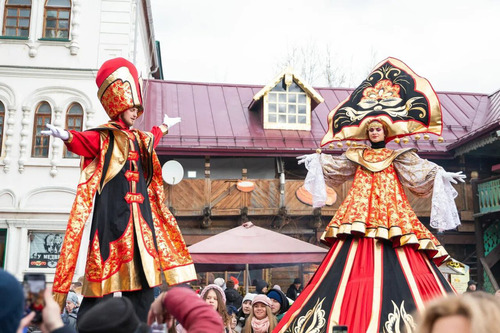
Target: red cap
[(235, 280)]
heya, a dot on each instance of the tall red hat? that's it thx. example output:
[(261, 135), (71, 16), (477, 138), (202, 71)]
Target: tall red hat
[(119, 87)]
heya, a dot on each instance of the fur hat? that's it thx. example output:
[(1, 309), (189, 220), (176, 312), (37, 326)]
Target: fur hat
[(216, 287), (261, 298), (11, 302), (119, 87), (114, 315)]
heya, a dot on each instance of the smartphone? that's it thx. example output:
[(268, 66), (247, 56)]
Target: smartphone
[(34, 287), (339, 329)]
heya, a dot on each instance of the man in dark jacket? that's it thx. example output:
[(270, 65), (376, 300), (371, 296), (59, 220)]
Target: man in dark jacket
[(295, 289), (233, 297)]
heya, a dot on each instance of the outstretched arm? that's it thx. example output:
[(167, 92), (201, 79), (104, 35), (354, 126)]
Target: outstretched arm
[(160, 131)]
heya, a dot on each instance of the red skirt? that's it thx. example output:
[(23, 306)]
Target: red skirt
[(367, 285)]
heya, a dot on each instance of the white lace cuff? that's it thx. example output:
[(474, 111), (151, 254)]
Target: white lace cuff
[(444, 214), (315, 181)]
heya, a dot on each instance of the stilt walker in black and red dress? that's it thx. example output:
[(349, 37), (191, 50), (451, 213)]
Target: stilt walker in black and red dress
[(383, 261)]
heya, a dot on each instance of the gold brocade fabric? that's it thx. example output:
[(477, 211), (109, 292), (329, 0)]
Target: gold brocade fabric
[(120, 272), (377, 207)]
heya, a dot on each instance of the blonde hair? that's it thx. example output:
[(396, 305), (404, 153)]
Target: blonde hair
[(272, 321), (482, 310)]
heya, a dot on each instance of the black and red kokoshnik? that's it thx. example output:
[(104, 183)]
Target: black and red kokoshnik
[(392, 93)]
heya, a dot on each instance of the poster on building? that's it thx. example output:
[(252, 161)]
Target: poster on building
[(45, 249)]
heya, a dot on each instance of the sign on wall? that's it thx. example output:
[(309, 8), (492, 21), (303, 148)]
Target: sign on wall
[(45, 249)]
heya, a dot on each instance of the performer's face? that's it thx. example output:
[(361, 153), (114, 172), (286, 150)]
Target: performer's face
[(129, 116), (376, 132)]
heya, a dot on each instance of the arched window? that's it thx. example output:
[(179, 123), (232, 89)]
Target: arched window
[(2, 122), (41, 142), (16, 21), (57, 19), (74, 121)]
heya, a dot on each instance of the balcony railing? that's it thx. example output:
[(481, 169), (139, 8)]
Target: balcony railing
[(489, 196)]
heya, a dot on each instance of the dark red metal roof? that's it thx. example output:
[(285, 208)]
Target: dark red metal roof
[(216, 120)]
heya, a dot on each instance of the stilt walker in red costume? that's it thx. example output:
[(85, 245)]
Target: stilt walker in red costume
[(382, 264), (134, 238)]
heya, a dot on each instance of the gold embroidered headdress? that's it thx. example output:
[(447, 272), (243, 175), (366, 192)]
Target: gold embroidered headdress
[(393, 94), (119, 87)]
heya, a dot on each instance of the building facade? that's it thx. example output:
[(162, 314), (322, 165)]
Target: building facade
[(50, 52)]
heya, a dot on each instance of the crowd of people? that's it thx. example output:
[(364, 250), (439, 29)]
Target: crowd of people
[(180, 309)]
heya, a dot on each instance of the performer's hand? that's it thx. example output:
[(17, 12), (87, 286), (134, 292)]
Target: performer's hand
[(56, 132), (170, 122), (158, 314), (453, 177), (305, 159)]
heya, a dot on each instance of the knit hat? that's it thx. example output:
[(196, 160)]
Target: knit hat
[(281, 298), (11, 302), (215, 287), (297, 281), (235, 280), (261, 298), (72, 297), (259, 285), (220, 282), (114, 315), (119, 87), (248, 297)]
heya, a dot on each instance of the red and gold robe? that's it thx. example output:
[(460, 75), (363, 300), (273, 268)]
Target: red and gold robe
[(132, 231)]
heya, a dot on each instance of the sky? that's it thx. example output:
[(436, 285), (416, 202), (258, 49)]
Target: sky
[(454, 44)]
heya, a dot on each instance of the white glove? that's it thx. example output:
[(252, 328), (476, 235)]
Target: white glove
[(453, 177), (56, 132), (170, 122), (306, 159)]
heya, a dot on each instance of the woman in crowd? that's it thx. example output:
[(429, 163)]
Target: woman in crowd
[(261, 319), (467, 313)]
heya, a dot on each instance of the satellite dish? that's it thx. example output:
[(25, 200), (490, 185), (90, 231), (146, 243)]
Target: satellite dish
[(172, 172)]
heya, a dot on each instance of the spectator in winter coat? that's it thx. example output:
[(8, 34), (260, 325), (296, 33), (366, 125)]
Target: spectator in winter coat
[(70, 310), (294, 290), (261, 319), (233, 297), (279, 303), (244, 311)]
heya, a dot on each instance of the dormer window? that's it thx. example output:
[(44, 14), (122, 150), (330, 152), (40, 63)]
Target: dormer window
[(287, 107), (286, 103)]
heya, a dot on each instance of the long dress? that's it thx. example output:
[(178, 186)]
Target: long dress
[(382, 262)]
